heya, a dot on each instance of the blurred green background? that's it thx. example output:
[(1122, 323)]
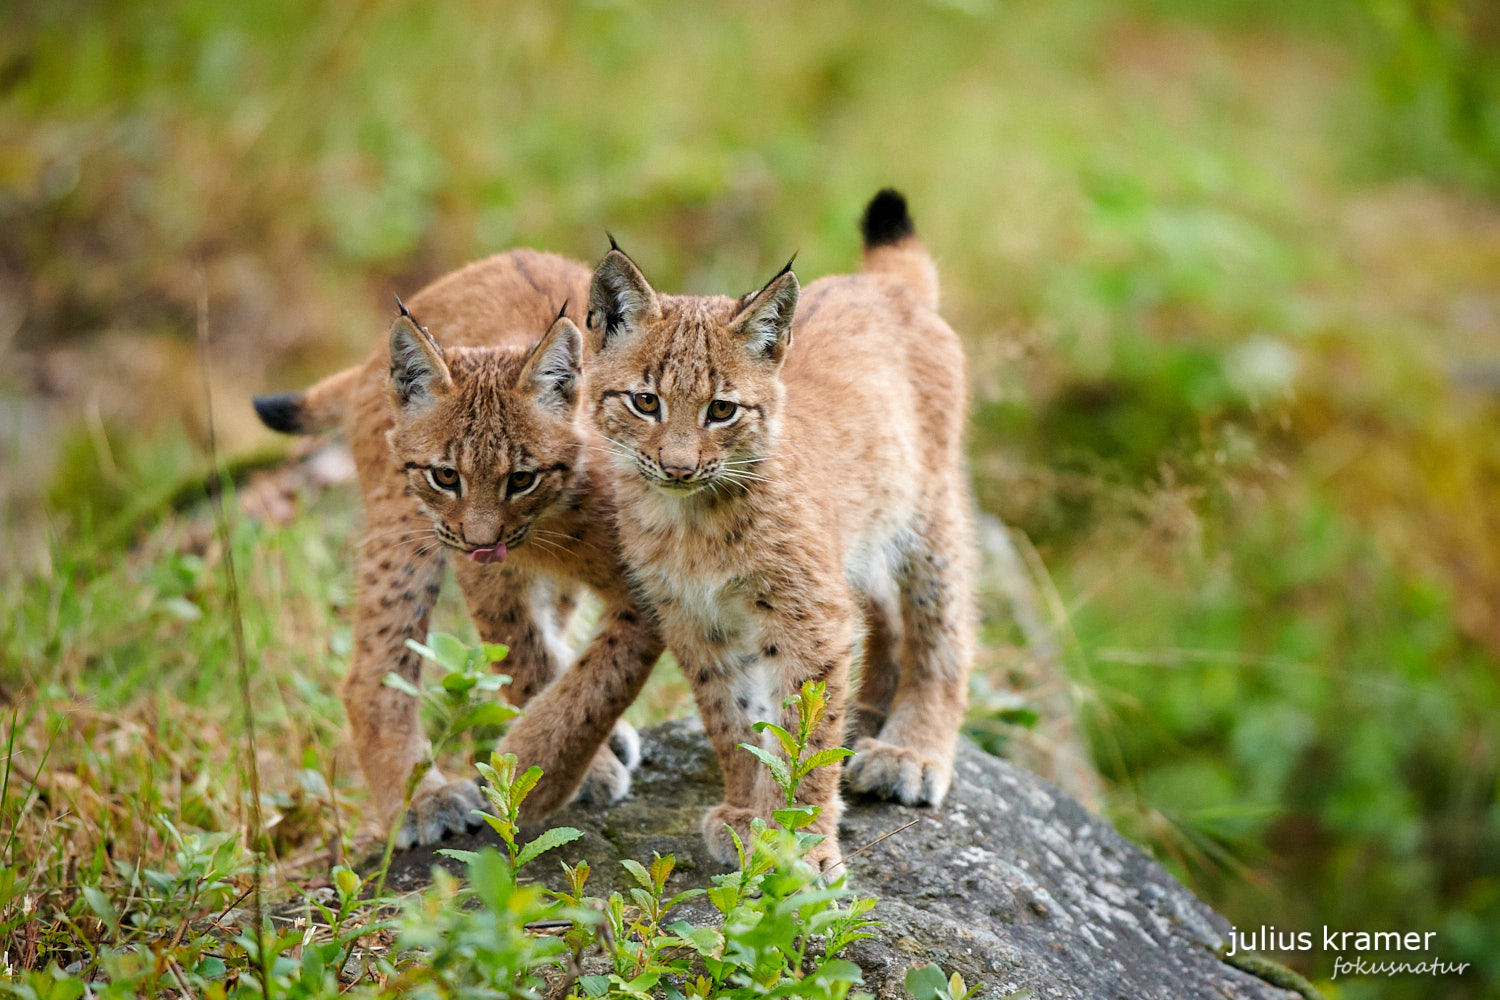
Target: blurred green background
[(1228, 273)]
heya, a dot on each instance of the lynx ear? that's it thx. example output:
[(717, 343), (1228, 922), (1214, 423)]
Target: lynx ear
[(418, 373), (619, 299), (765, 322), (555, 364)]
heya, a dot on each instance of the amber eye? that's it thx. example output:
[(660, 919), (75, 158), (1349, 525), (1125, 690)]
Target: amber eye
[(721, 409), (646, 402), (443, 477), (520, 482)]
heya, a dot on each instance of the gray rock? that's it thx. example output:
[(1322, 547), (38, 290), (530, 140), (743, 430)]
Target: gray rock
[(1011, 883)]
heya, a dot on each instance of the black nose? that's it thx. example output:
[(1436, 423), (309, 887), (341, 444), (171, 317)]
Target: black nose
[(677, 473)]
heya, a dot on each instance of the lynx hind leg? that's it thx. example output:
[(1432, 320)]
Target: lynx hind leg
[(398, 583), (879, 665), (910, 759)]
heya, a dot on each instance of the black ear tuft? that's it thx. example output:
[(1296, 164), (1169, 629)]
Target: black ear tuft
[(886, 220), (404, 311), (418, 371), (619, 299), (765, 321), (554, 365), (280, 412), (612, 244)]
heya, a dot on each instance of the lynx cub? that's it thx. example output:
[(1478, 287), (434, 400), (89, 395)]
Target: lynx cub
[(787, 485), (476, 455)]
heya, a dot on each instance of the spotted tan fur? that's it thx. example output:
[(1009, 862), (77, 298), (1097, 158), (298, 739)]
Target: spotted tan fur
[(499, 396), (830, 503)]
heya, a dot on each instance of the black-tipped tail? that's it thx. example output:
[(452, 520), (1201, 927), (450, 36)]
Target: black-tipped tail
[(886, 220), (281, 412)]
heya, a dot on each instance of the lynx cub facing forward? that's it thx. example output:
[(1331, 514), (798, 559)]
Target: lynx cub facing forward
[(478, 455), (787, 485)]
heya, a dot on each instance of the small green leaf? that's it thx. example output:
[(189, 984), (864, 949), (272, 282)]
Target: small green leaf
[(210, 968), (706, 940), (823, 758), (594, 986), (425, 652), (490, 713), (723, 897), (312, 969), (926, 982), (577, 875), (102, 907), (494, 651), (637, 872), (490, 775), (457, 683), (776, 764), (493, 879), (523, 785), (1024, 717), (795, 817), (787, 740), (661, 869), (457, 855), (643, 982), (841, 970), (555, 837), (449, 651), (395, 680), (346, 880)]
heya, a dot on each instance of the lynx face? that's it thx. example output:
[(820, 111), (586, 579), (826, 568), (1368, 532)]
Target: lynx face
[(486, 436), (687, 390)]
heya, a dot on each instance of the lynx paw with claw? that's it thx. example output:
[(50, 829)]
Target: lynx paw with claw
[(446, 809), (606, 782), (911, 777)]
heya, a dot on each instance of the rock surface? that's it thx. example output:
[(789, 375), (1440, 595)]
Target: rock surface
[(1011, 883)]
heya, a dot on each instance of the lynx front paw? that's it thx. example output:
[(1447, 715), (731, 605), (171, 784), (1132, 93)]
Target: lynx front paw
[(825, 856), (716, 824), (909, 776), (443, 810), (718, 821), (606, 782)]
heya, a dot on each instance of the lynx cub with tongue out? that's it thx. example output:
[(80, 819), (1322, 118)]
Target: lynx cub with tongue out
[(472, 450)]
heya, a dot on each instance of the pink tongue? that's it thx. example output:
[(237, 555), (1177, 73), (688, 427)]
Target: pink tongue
[(493, 554)]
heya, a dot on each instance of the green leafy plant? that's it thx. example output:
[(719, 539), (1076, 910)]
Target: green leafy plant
[(506, 791), (456, 698), (811, 703), (927, 982), (783, 931)]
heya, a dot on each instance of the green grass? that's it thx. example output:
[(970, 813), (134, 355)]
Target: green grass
[(1226, 274)]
